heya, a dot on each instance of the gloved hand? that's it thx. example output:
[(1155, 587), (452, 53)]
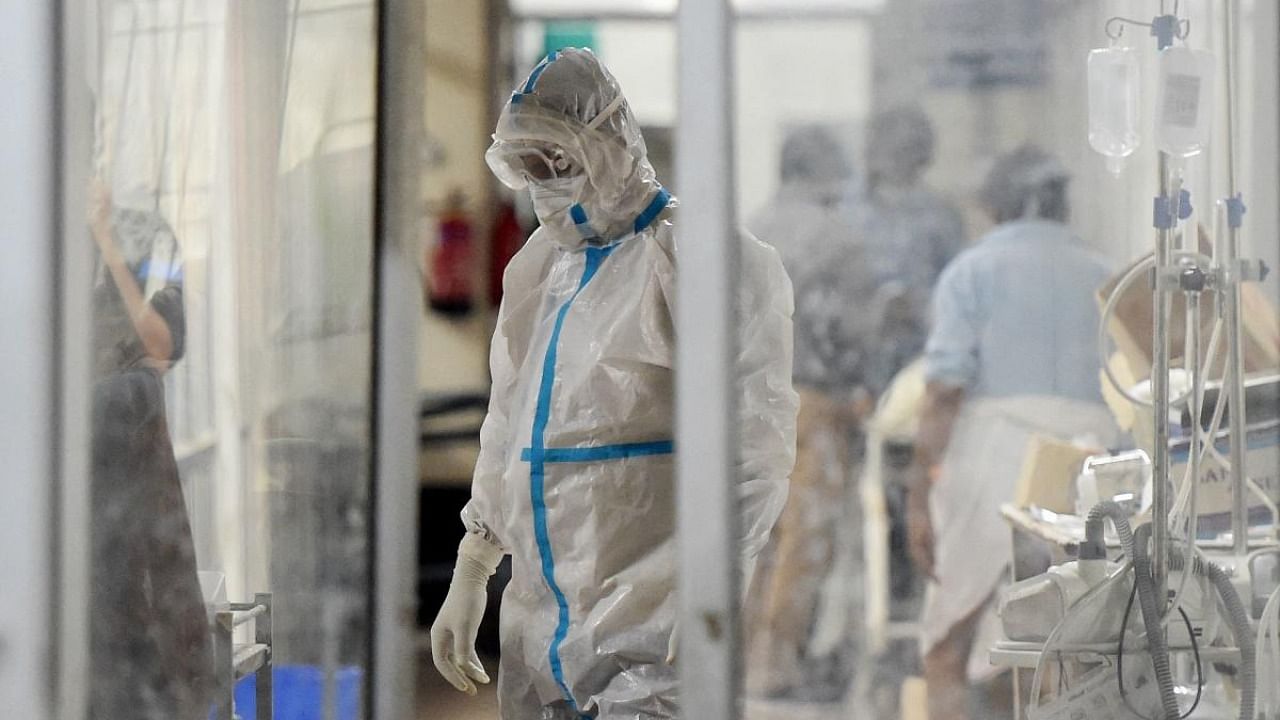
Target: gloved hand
[(453, 635)]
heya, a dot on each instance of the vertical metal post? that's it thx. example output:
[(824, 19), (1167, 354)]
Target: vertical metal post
[(224, 666), (264, 683), (707, 260), (1160, 394), (392, 671), (29, 437), (75, 260), (1235, 326)]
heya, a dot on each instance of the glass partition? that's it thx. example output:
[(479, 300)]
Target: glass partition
[(926, 173), (231, 217), (936, 180)]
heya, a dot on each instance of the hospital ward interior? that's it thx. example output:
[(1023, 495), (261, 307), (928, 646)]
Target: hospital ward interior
[(640, 359)]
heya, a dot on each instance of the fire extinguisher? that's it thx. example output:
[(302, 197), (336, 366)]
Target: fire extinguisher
[(508, 237), (449, 285)]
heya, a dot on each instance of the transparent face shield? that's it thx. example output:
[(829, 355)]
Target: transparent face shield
[(533, 144), (517, 164)]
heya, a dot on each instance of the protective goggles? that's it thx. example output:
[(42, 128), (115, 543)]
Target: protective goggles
[(519, 164)]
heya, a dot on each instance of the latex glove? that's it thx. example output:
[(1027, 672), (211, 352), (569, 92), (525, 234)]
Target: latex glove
[(453, 635)]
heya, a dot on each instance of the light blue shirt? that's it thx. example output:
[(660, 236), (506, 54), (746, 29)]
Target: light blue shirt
[(1015, 315)]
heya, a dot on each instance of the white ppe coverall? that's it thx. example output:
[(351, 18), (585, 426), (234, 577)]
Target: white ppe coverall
[(575, 478)]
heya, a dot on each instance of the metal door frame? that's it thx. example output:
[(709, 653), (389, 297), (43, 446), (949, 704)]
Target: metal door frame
[(707, 433)]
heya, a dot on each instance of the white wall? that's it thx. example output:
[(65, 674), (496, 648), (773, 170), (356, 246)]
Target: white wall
[(1113, 214), (788, 72), (454, 355)]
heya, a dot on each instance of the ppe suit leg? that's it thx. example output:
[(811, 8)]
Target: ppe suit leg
[(640, 692)]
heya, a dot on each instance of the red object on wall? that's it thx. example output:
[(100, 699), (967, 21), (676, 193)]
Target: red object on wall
[(508, 238), (450, 275)]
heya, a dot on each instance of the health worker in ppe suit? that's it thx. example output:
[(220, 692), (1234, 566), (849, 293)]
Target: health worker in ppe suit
[(909, 233), (1012, 354), (821, 251), (575, 478)]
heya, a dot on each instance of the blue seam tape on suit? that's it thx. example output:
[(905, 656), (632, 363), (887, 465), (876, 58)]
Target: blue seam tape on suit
[(655, 208), (537, 455), (601, 453), (537, 72)]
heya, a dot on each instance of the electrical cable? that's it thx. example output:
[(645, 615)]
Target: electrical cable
[(1095, 591), (1238, 619), (1195, 649), (1124, 628)]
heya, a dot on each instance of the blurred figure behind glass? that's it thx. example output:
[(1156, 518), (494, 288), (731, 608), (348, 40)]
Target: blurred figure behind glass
[(149, 636), (909, 232), (820, 250), (1012, 353)]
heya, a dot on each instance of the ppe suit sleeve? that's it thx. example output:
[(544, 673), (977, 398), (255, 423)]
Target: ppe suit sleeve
[(767, 402), (951, 354), (482, 514)]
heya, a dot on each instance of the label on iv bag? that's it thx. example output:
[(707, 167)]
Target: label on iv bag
[(1181, 101), (1184, 95)]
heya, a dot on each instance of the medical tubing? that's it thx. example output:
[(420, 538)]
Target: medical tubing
[(1249, 483), (1241, 627), (1219, 409), (1189, 492), (1266, 500), (1109, 308), (1180, 594), (1264, 641), (1050, 641), (1195, 458), (1143, 579), (1180, 504)]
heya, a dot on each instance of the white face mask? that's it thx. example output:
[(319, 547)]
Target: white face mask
[(552, 199)]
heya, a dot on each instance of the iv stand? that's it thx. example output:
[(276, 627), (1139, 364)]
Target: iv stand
[(1230, 260)]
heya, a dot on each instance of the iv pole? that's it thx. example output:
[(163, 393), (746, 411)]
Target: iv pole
[(1232, 277)]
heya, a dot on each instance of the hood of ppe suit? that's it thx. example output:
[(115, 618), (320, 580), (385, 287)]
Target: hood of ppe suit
[(572, 103)]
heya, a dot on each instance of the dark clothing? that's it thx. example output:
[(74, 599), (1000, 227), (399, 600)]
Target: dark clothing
[(149, 634), (151, 252)]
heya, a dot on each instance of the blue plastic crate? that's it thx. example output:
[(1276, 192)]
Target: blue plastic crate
[(299, 692)]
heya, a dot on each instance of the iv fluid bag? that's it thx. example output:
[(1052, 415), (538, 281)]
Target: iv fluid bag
[(1184, 101), (1113, 104)]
